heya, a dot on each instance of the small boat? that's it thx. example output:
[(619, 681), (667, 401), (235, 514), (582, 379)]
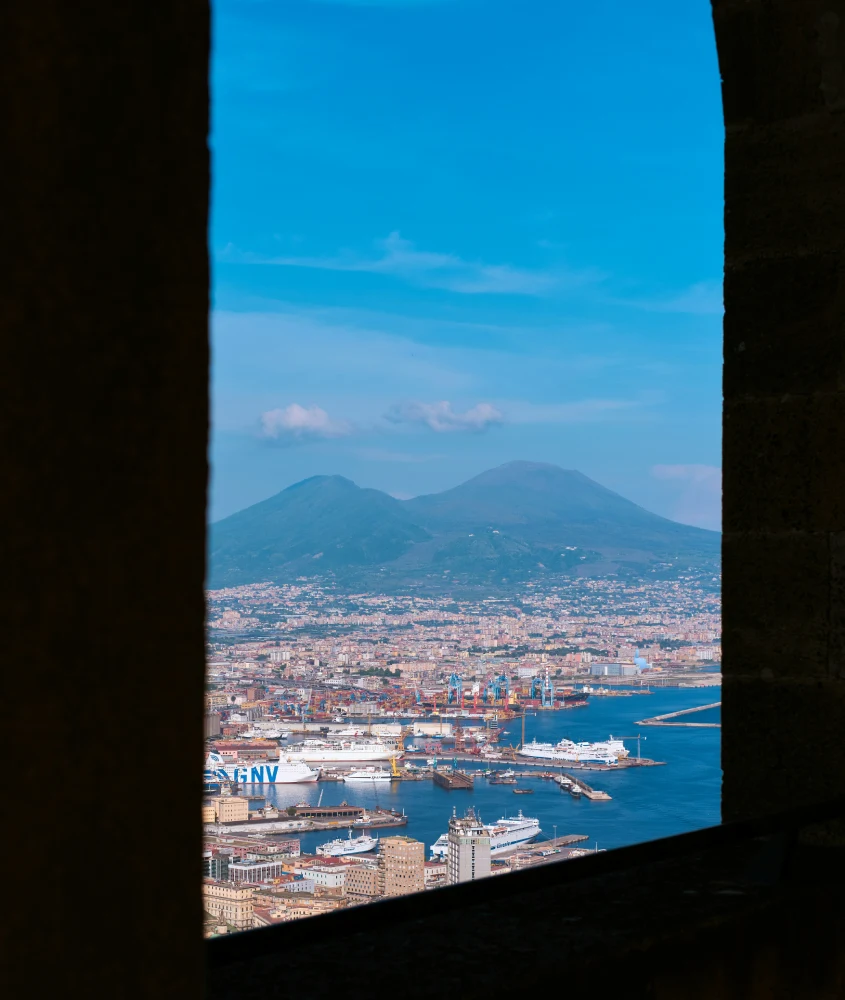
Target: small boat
[(523, 791), (575, 790)]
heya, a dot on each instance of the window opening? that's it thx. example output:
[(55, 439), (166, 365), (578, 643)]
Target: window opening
[(464, 582)]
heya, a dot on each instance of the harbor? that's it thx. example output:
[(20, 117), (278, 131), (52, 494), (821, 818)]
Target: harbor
[(646, 800)]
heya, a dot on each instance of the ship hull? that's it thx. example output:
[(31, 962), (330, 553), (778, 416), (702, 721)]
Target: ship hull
[(342, 757), (265, 773)]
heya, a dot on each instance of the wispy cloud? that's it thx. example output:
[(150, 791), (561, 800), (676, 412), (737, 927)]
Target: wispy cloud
[(400, 258), (442, 418), (700, 500), (701, 299), (300, 423)]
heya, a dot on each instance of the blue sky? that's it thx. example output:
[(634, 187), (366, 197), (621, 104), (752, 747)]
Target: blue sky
[(451, 233)]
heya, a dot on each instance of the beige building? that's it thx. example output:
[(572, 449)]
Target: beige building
[(468, 857), (362, 880), (401, 866), (208, 814), (230, 809), (228, 903)]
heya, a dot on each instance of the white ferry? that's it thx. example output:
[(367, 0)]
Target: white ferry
[(368, 775), (606, 752), (352, 845), (342, 751), (507, 833), (258, 772)]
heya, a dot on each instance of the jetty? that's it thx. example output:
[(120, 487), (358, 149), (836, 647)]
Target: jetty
[(577, 786), (669, 718)]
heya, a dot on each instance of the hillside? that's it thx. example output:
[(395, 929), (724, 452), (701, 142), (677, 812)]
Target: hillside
[(521, 520)]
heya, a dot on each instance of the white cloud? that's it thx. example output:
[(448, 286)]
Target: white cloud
[(297, 423), (700, 500), (442, 418), (400, 258)]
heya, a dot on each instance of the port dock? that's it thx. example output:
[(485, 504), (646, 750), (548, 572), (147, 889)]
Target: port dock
[(452, 780), (579, 787), (547, 851)]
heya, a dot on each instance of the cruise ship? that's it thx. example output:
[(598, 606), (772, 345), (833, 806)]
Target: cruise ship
[(341, 751), (283, 771), (352, 845), (566, 751), (505, 834)]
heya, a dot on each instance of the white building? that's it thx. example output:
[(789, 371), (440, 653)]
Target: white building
[(468, 857), (329, 876)]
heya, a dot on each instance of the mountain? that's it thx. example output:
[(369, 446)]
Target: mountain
[(521, 520), (549, 505), (322, 525)]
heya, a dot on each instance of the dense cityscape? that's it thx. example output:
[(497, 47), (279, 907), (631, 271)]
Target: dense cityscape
[(310, 687)]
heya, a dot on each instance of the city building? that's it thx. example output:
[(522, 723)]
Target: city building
[(326, 877), (435, 874), (256, 871), (229, 903), (468, 857), (230, 809), (598, 669), (211, 725), (401, 862), (362, 880)]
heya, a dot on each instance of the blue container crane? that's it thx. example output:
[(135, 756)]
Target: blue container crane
[(455, 690)]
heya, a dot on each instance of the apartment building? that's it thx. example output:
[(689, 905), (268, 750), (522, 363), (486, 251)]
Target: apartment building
[(401, 866)]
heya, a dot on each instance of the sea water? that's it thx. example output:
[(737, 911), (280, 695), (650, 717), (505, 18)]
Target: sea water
[(647, 802)]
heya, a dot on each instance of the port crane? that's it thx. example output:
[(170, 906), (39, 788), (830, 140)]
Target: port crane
[(455, 690)]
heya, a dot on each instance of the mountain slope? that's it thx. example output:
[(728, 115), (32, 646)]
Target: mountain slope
[(549, 506), (322, 525), (522, 520)]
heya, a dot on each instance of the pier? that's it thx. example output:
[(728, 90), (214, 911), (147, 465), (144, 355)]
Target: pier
[(546, 852), (568, 783), (664, 720), (452, 780)]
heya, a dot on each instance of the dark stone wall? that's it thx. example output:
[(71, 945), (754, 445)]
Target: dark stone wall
[(103, 375), (103, 388), (783, 69)]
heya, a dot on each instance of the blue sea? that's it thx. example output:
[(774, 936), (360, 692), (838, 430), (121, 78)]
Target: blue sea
[(647, 802)]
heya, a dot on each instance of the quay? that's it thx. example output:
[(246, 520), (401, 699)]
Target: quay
[(545, 851), (573, 765), (664, 720), (452, 780), (568, 783)]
